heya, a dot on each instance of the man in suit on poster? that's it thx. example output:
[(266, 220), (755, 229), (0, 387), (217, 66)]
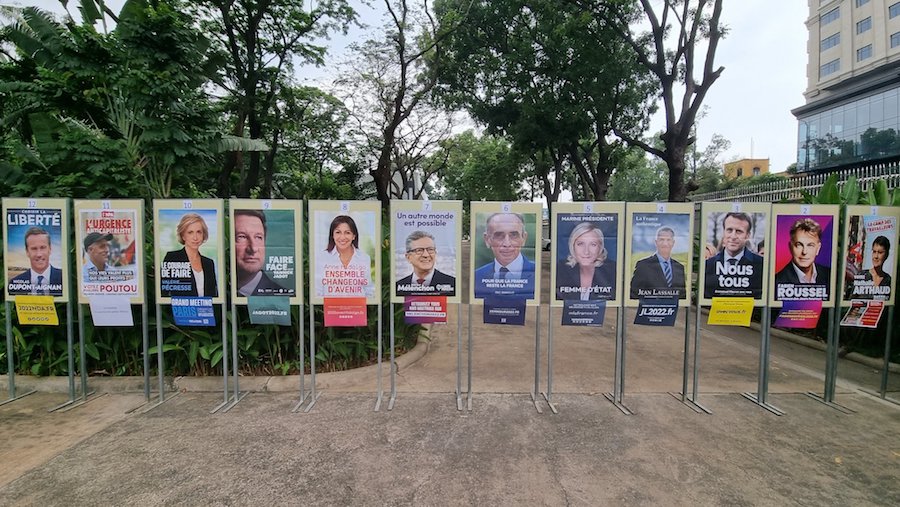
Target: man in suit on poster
[(805, 244), (250, 255), (734, 271), (510, 273), (659, 274), (425, 279), (41, 278)]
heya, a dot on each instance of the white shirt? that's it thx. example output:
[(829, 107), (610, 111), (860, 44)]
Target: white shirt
[(514, 267), (802, 276), (332, 260)]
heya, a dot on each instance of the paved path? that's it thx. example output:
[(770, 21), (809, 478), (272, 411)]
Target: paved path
[(425, 452)]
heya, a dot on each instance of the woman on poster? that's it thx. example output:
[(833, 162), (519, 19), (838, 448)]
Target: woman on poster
[(186, 272), (586, 273), (345, 270), (875, 282)]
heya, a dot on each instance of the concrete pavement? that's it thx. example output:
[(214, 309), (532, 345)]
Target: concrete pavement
[(425, 452)]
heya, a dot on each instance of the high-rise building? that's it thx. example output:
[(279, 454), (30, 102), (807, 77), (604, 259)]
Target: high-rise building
[(852, 112)]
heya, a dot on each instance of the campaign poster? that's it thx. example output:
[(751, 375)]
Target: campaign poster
[(804, 243), (586, 253), (425, 249), (35, 250), (266, 253), (505, 254), (109, 249), (190, 249), (870, 233), (660, 245), (345, 250), (732, 248)]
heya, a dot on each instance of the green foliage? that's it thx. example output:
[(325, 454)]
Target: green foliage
[(108, 115), (639, 179)]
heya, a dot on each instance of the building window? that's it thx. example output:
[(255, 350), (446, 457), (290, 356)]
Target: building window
[(863, 53), (740, 171), (864, 25), (831, 41), (860, 3), (756, 171), (830, 68), (895, 39), (835, 13), (894, 10)]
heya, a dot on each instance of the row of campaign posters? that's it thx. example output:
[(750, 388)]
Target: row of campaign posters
[(602, 254)]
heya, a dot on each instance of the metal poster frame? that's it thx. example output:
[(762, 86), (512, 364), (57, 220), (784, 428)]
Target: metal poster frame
[(593, 213), (268, 278), (712, 224), (442, 220), (478, 213), (650, 213), (874, 214), (779, 246), (103, 212), (59, 237), (167, 245), (358, 211)]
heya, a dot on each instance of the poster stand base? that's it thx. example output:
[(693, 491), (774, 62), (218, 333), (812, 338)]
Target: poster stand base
[(693, 405), (146, 406), (612, 399), (550, 404), (69, 405), (821, 399), (771, 408), (83, 401), (534, 401), (870, 392), (237, 397), (14, 398)]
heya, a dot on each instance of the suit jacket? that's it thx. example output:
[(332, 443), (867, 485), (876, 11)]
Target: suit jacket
[(438, 278), (210, 288), (269, 287), (712, 288), (788, 276), (485, 275), (648, 274), (25, 278), (570, 276)]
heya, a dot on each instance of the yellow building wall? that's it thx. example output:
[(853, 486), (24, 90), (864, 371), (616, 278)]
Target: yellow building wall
[(746, 167)]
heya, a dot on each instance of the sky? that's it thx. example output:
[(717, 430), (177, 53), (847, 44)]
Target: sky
[(764, 55)]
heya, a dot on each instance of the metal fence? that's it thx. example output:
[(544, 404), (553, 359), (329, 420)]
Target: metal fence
[(790, 189)]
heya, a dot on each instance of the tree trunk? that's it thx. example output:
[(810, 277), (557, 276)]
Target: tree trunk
[(676, 165)]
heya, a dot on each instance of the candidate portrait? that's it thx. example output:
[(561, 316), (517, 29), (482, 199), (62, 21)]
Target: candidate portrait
[(659, 274), (735, 270), (510, 273), (804, 246), (587, 272), (250, 231), (40, 278), (187, 272), (425, 279)]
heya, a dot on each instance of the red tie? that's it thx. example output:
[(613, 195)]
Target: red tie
[(420, 280)]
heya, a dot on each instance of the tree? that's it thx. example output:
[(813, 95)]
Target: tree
[(705, 167), (551, 79), (259, 43), (682, 42), (390, 87), (638, 178), (479, 169), (86, 122)]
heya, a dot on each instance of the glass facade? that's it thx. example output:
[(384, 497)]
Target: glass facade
[(831, 41), (866, 128)]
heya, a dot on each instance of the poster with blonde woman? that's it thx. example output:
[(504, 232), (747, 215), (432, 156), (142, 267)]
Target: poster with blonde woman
[(189, 244)]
